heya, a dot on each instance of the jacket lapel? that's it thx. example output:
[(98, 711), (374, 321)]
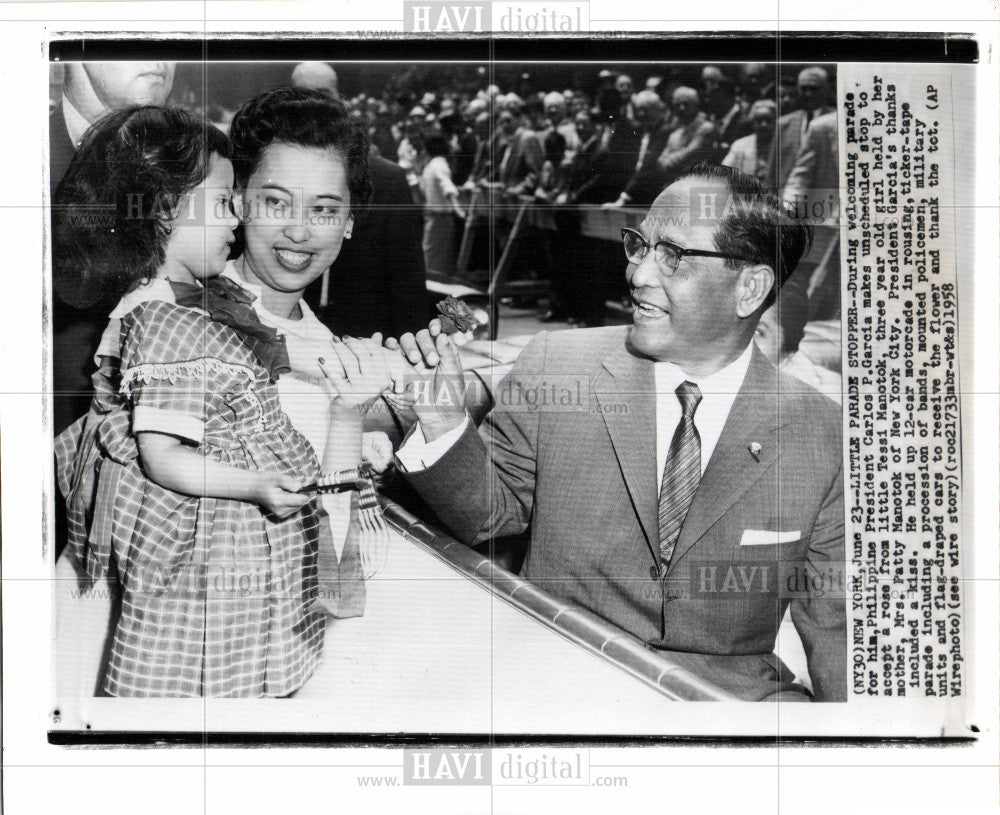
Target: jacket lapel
[(754, 420), (629, 379)]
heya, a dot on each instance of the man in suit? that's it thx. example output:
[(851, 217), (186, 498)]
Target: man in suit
[(813, 89), (647, 179), (750, 154), (672, 481), (692, 141), (725, 109), (813, 192), (90, 89), (379, 282)]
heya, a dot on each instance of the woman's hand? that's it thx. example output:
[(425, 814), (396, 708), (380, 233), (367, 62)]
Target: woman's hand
[(277, 493), (358, 371)]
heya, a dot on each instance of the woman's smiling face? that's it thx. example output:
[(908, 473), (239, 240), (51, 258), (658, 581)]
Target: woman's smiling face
[(296, 215)]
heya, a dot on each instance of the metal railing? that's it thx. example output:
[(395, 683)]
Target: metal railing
[(576, 624)]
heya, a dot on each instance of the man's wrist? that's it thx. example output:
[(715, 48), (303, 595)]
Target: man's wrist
[(434, 427)]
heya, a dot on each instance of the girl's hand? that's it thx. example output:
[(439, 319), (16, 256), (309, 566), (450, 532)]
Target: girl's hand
[(277, 494), (358, 372)]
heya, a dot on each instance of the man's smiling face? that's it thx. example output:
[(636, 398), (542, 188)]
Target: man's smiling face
[(689, 317)]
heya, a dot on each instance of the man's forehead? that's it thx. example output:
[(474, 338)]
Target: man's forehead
[(676, 210)]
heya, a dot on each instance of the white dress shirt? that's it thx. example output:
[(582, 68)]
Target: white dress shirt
[(437, 186), (718, 394)]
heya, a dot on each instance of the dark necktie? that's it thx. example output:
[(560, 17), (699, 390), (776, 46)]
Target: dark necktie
[(681, 472)]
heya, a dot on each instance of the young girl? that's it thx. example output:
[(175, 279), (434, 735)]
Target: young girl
[(183, 483)]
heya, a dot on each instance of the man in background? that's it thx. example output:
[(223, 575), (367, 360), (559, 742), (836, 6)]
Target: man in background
[(647, 179), (378, 281), (316, 76), (692, 141), (90, 89), (813, 92)]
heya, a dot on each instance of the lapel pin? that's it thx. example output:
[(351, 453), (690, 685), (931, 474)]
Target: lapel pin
[(754, 449)]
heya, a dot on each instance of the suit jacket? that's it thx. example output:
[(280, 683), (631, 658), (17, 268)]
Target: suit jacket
[(61, 148), (526, 156), (816, 173), (789, 137), (586, 176), (583, 476), (75, 332), (687, 145), (647, 180), (732, 125), (378, 282)]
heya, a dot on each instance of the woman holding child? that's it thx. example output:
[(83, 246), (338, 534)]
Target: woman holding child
[(218, 396)]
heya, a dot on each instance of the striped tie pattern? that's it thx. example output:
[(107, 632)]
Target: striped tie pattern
[(681, 472)]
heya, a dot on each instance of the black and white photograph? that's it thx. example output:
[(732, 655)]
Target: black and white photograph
[(506, 400)]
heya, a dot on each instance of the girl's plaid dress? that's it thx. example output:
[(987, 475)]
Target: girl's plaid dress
[(218, 596)]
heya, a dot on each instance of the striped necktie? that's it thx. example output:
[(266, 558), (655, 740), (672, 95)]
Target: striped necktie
[(681, 472)]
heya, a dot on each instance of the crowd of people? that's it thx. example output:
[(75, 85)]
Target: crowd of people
[(612, 145)]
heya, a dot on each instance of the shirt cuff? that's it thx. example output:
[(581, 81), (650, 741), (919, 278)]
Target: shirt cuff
[(417, 454), (174, 423)]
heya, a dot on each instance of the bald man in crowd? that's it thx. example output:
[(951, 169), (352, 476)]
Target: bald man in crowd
[(316, 76), (752, 153), (557, 111)]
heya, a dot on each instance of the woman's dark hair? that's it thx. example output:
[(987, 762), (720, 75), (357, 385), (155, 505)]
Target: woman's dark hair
[(111, 212), (306, 118)]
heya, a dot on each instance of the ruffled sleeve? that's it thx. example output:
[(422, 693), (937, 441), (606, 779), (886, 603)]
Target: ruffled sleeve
[(174, 363)]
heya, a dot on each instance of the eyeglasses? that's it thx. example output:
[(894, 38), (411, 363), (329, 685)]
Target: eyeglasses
[(668, 255)]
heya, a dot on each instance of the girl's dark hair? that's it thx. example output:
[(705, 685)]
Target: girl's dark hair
[(437, 144), (306, 118), (112, 210)]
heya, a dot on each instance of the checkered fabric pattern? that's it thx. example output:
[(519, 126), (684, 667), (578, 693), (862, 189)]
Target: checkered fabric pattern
[(218, 597)]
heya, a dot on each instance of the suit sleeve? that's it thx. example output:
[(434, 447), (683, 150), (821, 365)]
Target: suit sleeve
[(820, 617), (484, 486)]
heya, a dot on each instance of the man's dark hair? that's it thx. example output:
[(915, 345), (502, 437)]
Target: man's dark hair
[(112, 211), (755, 224), (305, 118)]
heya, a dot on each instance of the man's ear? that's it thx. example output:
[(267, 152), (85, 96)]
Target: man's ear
[(756, 282), (350, 226)]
